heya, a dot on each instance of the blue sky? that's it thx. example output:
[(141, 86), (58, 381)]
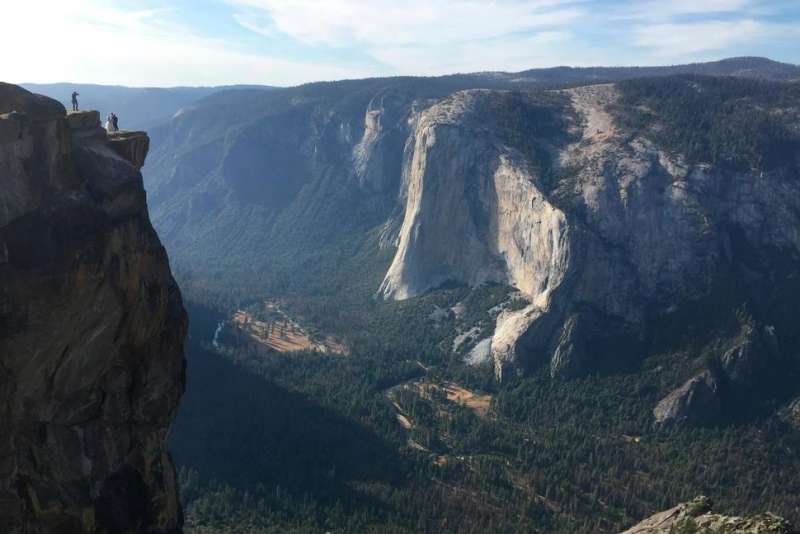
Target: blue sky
[(286, 42)]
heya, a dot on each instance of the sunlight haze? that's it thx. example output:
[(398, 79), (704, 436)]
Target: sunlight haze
[(288, 42)]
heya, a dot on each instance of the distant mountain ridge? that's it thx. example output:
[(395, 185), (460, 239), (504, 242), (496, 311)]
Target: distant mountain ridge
[(641, 225), (745, 67), (138, 108), (471, 179), (639, 233), (280, 163), (145, 107)]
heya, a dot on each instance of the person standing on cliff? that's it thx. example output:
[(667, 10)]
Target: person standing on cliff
[(115, 121), (75, 100)]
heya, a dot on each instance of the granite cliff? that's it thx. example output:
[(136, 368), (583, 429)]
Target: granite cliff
[(247, 188), (629, 227), (638, 238), (91, 330), (611, 237)]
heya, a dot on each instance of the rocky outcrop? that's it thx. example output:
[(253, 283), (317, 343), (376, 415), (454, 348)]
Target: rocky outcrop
[(249, 188), (753, 354), (467, 190), (475, 211), (132, 146), (85, 128), (91, 332), (733, 378), (602, 230), (377, 157), (696, 402), (696, 516), (791, 414)]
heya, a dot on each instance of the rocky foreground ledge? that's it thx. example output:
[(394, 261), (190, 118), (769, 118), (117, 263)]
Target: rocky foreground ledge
[(91, 330), (697, 517)]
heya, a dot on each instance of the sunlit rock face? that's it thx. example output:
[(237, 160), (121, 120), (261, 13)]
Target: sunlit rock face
[(607, 229), (603, 230), (91, 331)]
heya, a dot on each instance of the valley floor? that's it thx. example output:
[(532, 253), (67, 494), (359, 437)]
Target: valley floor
[(380, 442)]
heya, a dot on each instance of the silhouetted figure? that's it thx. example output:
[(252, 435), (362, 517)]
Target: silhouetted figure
[(115, 120), (75, 100)]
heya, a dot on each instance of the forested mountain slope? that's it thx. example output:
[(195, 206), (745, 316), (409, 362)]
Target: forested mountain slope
[(564, 195), (299, 170), (624, 254)]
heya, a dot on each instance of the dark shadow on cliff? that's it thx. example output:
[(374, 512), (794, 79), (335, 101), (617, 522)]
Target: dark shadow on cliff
[(240, 429)]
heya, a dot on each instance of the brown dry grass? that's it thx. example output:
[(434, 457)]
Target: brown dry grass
[(284, 335), (480, 404)]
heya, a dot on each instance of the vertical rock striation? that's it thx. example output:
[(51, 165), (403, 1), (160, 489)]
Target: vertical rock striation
[(91, 331), (475, 208), (603, 230)]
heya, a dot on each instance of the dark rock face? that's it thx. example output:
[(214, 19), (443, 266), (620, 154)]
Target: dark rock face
[(132, 146), (91, 332), (695, 402), (751, 357), (748, 364), (791, 414), (570, 352)]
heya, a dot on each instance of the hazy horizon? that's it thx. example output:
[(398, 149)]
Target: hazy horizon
[(235, 84), (274, 42)]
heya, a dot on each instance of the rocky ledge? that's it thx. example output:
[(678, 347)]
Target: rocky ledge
[(697, 516), (91, 330), (130, 145)]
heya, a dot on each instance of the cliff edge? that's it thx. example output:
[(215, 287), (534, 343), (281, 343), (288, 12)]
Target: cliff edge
[(91, 330)]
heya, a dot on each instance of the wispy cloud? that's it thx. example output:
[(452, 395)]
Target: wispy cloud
[(441, 36), (390, 23), (425, 36), (660, 10), (90, 41), (285, 42), (683, 30), (511, 53), (679, 40)]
